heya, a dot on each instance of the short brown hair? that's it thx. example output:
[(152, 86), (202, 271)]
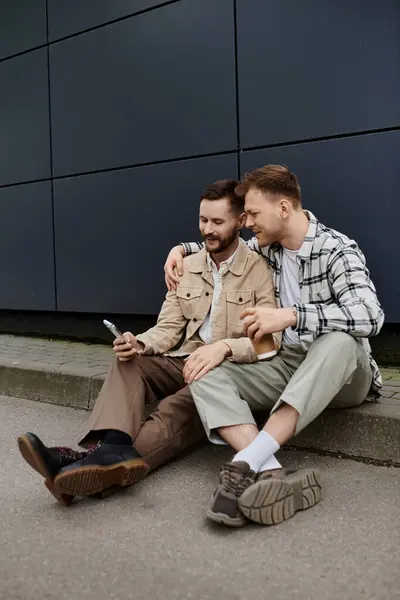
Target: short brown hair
[(225, 188), (275, 179)]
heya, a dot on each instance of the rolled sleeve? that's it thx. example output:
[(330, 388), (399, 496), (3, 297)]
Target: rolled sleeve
[(242, 350)]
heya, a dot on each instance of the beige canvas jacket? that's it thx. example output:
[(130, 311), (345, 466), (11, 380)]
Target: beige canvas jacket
[(247, 283)]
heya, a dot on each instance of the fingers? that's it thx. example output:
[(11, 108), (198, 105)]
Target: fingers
[(173, 267), (189, 363), (128, 351), (125, 342), (127, 355), (127, 359), (173, 275), (247, 322), (260, 333), (179, 267), (122, 348), (252, 330), (129, 338), (190, 367), (199, 366), (119, 341), (171, 281), (248, 312), (203, 371), (125, 347)]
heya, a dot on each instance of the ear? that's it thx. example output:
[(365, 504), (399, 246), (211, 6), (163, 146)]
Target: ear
[(284, 208), (242, 220)]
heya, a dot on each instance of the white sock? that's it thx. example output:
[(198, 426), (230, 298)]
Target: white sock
[(258, 452), (270, 463)]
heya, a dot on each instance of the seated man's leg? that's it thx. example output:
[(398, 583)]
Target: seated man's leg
[(128, 387), (336, 372), (173, 427), (115, 420), (225, 398)]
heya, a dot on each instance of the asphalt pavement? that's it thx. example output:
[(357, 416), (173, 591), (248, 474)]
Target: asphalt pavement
[(152, 542)]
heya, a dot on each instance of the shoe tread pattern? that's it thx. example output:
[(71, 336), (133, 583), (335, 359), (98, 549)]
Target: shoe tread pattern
[(272, 501)]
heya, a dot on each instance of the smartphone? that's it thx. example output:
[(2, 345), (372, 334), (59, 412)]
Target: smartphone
[(112, 328)]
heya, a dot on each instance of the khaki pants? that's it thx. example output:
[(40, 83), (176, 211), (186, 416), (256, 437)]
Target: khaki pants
[(335, 373), (173, 427)]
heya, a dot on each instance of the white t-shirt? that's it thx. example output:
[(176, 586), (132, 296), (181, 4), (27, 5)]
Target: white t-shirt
[(289, 289)]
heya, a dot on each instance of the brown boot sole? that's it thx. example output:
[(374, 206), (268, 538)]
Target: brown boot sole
[(32, 457), (89, 480), (271, 501), (65, 499)]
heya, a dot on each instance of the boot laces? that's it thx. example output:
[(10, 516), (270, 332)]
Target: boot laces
[(69, 453)]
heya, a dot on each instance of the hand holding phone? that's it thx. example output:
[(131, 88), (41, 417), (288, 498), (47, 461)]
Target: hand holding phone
[(125, 345)]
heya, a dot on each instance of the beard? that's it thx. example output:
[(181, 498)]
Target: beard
[(218, 243)]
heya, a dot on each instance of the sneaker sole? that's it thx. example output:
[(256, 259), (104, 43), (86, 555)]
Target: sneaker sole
[(272, 501), (225, 520), (94, 479), (32, 456)]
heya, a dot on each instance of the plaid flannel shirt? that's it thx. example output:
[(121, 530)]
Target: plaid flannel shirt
[(337, 293)]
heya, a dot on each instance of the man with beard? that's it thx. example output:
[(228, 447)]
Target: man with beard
[(328, 308), (219, 283)]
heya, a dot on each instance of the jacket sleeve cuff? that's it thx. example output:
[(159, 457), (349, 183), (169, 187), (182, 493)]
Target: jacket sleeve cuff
[(307, 318), (242, 350), (148, 349), (191, 247)]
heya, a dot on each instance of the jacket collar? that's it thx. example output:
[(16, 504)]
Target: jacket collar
[(237, 266)]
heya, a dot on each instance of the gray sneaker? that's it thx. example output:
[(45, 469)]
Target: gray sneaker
[(234, 479), (278, 494)]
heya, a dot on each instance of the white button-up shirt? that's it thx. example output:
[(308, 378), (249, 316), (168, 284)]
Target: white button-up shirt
[(205, 331)]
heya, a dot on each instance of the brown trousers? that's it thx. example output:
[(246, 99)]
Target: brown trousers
[(174, 425)]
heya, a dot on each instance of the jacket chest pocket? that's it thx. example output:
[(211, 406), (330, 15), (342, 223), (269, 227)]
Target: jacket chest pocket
[(189, 299), (236, 303)]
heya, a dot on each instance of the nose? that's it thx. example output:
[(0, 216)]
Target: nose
[(208, 230), (249, 222)]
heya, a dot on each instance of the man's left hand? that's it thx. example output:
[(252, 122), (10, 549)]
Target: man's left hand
[(261, 321), (204, 359)]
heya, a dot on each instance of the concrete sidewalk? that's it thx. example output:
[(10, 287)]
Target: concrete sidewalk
[(152, 541), (71, 374)]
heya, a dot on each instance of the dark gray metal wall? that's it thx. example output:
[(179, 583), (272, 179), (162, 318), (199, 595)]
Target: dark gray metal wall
[(115, 115)]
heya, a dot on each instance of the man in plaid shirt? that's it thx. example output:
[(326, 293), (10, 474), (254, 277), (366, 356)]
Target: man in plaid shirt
[(327, 309)]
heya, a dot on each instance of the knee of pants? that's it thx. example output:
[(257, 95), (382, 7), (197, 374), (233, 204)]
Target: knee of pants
[(118, 365), (341, 339), (154, 439), (339, 346)]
